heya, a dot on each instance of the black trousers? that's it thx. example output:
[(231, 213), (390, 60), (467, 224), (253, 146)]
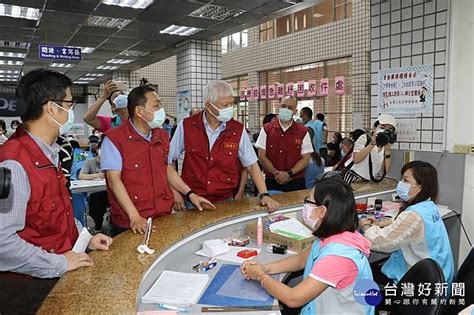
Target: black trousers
[(292, 185), (97, 207), (23, 295), (116, 230)]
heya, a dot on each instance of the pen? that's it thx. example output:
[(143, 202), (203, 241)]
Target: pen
[(174, 308)]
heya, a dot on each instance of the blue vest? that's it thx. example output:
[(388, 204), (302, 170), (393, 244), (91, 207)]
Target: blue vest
[(437, 241), (341, 250), (317, 127)]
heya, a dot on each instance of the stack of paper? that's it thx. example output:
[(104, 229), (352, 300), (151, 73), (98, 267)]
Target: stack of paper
[(177, 288), (291, 228)]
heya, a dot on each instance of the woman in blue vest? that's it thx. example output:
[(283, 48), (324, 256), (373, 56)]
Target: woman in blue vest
[(418, 231), (335, 263)]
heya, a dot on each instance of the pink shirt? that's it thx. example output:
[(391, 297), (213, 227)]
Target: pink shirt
[(105, 123)]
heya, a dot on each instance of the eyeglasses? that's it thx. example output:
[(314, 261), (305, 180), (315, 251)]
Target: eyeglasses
[(307, 201), (72, 104)]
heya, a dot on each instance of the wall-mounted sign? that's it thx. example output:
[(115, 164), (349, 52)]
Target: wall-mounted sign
[(255, 92), (312, 88), (242, 94), (271, 91), (300, 89), (59, 52), (339, 85), (324, 87), (249, 93), (290, 89), (183, 105), (406, 90), (263, 92), (280, 90)]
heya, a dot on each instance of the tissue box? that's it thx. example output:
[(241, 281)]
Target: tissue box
[(270, 237)]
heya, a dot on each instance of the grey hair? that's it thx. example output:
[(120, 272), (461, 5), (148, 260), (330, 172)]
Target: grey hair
[(216, 89)]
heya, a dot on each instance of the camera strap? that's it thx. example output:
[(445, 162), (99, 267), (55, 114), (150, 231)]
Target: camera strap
[(371, 173)]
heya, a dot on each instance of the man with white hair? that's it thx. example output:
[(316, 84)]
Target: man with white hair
[(217, 148)]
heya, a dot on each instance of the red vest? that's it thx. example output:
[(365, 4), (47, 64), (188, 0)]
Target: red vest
[(284, 147), (214, 175), (49, 220), (144, 173)]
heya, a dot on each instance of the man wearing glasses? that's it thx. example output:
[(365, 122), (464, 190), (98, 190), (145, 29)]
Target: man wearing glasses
[(284, 149), (37, 225)]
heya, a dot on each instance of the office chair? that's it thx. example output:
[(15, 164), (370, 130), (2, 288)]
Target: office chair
[(426, 270), (464, 275)]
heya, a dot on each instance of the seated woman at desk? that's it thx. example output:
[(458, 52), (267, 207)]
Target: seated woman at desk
[(332, 266), (97, 201), (418, 231)]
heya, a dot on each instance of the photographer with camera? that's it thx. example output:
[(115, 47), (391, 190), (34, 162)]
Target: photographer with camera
[(372, 153)]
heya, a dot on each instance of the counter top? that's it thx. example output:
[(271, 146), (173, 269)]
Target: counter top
[(111, 285)]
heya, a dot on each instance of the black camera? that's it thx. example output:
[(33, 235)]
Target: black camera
[(385, 137), (5, 180)]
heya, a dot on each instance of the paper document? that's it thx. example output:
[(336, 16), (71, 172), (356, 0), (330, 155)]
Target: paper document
[(231, 255), (177, 288), (82, 241), (291, 228), (443, 210)]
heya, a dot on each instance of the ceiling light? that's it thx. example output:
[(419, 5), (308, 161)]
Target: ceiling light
[(86, 50), (97, 75), (87, 79), (61, 65), (107, 67), (120, 61), (18, 12), (216, 12), (81, 82), (107, 22), (180, 30), (6, 43), (135, 4), (11, 62), (9, 80), (134, 53), (318, 15), (12, 54), (8, 76), (10, 71)]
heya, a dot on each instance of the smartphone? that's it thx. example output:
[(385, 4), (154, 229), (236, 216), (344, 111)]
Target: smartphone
[(121, 86), (378, 204)]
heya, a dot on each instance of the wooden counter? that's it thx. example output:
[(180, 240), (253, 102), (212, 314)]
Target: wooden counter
[(111, 285)]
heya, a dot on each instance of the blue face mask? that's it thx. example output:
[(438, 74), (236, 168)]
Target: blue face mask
[(158, 118), (285, 114), (63, 129), (403, 190), (225, 114)]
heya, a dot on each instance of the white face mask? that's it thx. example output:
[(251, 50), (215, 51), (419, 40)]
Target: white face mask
[(158, 118), (225, 114), (63, 129), (307, 211)]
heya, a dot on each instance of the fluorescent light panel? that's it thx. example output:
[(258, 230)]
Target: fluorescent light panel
[(134, 53), (107, 67), (107, 22), (86, 50), (10, 71), (216, 12), (11, 62), (97, 75), (81, 82), (135, 4), (120, 61), (19, 12), (61, 65), (12, 54), (180, 30)]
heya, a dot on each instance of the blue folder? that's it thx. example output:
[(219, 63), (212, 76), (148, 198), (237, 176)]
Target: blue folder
[(229, 288)]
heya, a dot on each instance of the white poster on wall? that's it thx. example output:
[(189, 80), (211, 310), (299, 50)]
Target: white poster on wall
[(77, 130), (406, 90), (407, 130), (183, 105)]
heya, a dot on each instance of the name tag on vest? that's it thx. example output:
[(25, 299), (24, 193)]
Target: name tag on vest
[(298, 141), (230, 146)]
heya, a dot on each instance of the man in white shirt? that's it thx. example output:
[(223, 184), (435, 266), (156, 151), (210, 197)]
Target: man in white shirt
[(377, 152)]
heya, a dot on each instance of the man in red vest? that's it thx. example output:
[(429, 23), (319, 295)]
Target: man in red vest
[(37, 226), (284, 149), (217, 150), (134, 158)]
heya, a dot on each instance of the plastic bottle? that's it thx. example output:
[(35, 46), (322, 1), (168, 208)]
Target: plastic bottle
[(259, 232)]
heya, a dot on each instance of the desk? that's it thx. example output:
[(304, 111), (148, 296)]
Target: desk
[(88, 186), (114, 283)]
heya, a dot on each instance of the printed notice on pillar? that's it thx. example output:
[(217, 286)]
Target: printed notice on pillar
[(406, 90)]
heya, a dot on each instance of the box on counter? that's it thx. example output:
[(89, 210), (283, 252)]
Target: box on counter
[(270, 237)]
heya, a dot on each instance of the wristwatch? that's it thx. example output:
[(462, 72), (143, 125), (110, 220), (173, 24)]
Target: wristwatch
[(290, 173), (263, 195), (189, 193)]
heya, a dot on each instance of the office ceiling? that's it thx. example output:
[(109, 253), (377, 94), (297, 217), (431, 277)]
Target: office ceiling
[(135, 39)]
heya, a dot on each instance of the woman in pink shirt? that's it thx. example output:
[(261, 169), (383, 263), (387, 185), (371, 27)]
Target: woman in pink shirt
[(334, 264), (119, 109)]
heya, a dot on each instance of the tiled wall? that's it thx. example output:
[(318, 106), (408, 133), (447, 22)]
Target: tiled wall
[(198, 62), (406, 33), (348, 37)]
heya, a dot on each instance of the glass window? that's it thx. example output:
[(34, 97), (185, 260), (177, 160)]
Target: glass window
[(301, 19), (323, 13), (283, 26), (224, 41), (245, 38)]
